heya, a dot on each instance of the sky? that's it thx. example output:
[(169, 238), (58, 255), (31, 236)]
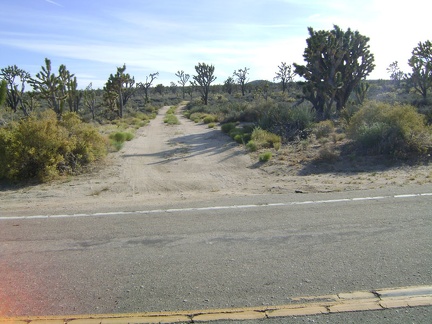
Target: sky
[(94, 37)]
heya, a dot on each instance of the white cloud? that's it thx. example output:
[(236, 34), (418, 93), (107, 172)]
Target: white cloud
[(155, 39), (54, 3)]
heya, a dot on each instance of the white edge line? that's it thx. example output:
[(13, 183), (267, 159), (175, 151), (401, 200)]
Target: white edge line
[(176, 210)]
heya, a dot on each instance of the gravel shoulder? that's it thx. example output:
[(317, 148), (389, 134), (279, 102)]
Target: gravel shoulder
[(168, 164)]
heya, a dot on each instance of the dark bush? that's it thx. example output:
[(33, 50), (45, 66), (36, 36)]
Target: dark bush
[(228, 127)]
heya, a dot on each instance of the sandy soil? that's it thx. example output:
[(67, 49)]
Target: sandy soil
[(166, 164)]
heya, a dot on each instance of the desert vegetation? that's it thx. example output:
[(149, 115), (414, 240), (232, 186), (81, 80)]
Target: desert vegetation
[(49, 126)]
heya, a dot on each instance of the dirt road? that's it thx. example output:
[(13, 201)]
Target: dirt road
[(168, 164), (163, 163)]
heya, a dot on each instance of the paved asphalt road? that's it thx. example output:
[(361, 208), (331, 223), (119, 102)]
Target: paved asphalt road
[(242, 253)]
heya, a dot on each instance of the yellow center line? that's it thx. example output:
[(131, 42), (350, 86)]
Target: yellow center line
[(312, 305)]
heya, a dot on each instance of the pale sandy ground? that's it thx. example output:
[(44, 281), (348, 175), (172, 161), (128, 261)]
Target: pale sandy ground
[(188, 162)]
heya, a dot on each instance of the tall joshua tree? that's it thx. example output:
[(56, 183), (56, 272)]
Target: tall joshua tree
[(16, 80), (421, 65), (52, 87), (203, 79), (284, 74), (119, 88), (336, 62), (184, 78), (147, 84), (241, 75)]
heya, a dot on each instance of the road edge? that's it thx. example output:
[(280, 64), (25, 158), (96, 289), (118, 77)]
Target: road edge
[(379, 299)]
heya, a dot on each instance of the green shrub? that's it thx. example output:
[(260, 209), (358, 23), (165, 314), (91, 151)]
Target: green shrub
[(235, 131), (239, 138), (129, 136), (89, 146), (265, 139), (209, 119), (187, 114), (118, 137), (171, 119), (251, 146), (196, 116), (228, 127), (172, 110), (264, 157), (390, 129), (302, 116), (212, 125), (43, 147), (117, 145), (288, 121)]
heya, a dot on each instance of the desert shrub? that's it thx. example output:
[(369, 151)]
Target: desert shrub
[(228, 127), (288, 121), (251, 146), (202, 117), (187, 114), (118, 137), (236, 111), (210, 119), (302, 116), (390, 129), (327, 154), (265, 139), (238, 138), (240, 135), (264, 157), (323, 129), (129, 136), (277, 145), (211, 125), (171, 119), (43, 147), (171, 110), (347, 112), (89, 145)]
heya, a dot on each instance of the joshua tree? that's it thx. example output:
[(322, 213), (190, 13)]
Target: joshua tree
[(52, 88), (229, 85), (421, 65), (90, 99), (336, 61), (184, 78), (284, 74), (3, 94), (203, 79), (119, 89), (16, 80), (147, 84), (395, 73), (241, 75)]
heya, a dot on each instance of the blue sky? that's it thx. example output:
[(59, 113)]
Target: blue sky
[(93, 37)]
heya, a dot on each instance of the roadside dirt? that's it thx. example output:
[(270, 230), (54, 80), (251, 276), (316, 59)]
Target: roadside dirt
[(166, 164)]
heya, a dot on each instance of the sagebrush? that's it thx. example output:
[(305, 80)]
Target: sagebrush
[(43, 147)]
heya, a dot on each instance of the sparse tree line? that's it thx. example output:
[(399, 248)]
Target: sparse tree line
[(420, 77), (336, 64)]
